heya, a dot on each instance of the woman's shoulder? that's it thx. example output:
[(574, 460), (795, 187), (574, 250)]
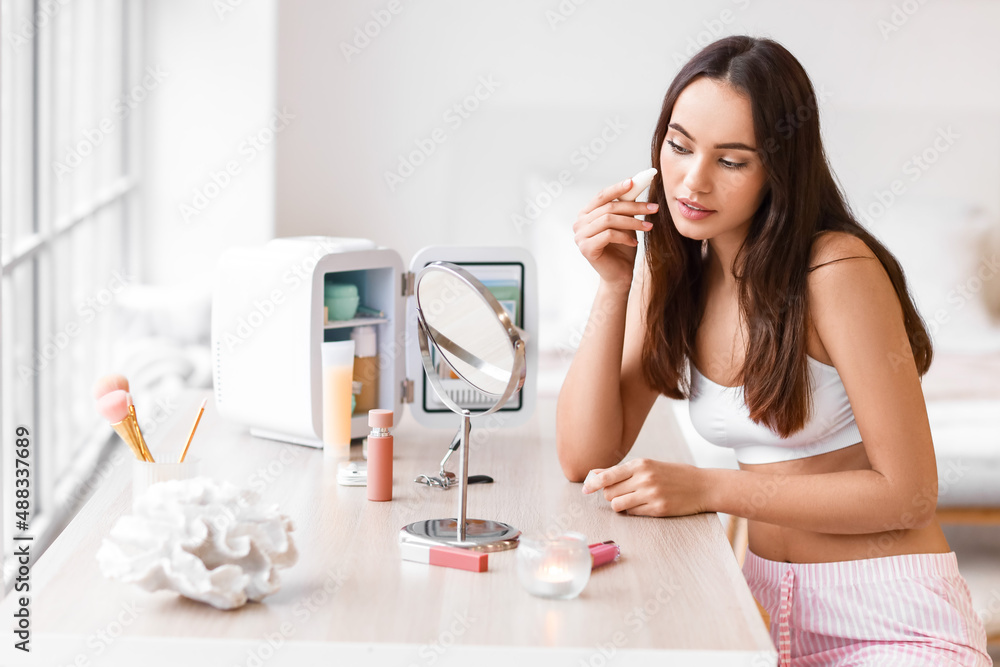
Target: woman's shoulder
[(832, 246), (850, 297)]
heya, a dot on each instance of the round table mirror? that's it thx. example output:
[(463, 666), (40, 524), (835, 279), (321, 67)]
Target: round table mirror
[(459, 319)]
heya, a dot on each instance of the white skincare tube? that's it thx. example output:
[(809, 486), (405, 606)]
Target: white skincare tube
[(640, 182)]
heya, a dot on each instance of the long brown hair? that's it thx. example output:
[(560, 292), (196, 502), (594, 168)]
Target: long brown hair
[(802, 200)]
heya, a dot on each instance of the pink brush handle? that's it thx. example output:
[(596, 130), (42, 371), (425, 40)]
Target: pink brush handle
[(603, 553)]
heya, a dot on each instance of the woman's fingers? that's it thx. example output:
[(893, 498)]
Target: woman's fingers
[(607, 194), (593, 481), (614, 475), (605, 221), (607, 235), (616, 209), (594, 246), (621, 484), (627, 501), (612, 221)]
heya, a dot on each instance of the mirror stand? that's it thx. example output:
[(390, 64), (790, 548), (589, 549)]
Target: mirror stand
[(480, 344), (475, 534)]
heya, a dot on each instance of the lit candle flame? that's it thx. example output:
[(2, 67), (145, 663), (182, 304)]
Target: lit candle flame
[(554, 573)]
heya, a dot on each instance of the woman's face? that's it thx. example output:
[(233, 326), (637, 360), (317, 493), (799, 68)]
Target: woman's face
[(709, 159)]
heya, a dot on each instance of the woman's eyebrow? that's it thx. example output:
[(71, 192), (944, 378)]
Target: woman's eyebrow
[(733, 144)]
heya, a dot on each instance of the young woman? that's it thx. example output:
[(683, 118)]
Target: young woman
[(791, 330)]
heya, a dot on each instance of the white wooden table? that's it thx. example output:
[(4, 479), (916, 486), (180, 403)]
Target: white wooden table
[(675, 597)]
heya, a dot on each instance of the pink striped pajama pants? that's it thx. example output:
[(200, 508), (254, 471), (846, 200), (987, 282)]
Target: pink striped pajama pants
[(899, 610)]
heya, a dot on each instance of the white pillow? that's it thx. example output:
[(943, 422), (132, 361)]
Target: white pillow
[(943, 249)]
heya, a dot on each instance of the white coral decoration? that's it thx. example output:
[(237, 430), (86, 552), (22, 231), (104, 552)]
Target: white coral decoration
[(208, 541)]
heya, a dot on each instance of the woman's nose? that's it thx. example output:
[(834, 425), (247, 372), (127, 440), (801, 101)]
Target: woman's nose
[(696, 179)]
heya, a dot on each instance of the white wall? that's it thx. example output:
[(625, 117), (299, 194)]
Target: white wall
[(217, 93), (561, 82)]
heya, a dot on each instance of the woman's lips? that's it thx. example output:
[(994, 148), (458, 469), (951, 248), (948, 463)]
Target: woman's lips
[(689, 212)]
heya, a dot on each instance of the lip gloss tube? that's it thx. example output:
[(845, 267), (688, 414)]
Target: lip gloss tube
[(460, 559), (603, 553)]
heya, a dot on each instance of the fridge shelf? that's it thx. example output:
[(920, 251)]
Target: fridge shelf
[(356, 322)]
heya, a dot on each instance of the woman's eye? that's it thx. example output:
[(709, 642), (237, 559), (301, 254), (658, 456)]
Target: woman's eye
[(677, 149), (725, 163), (733, 165)]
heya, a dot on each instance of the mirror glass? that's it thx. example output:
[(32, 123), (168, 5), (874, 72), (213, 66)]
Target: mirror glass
[(479, 343), (466, 328)]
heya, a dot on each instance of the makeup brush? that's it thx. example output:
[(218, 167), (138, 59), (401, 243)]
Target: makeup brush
[(138, 431), (197, 419), (114, 406), (109, 383)]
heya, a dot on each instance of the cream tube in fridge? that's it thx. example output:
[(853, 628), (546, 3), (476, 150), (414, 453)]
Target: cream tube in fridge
[(338, 375)]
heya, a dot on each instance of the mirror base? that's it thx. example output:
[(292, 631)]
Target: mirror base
[(480, 534)]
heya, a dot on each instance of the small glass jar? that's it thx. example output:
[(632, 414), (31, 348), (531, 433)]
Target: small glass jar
[(145, 474), (557, 567)]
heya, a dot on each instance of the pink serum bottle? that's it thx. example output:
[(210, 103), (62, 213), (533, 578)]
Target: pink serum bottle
[(380, 455)]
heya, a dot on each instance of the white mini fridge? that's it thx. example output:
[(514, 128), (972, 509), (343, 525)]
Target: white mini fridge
[(268, 324)]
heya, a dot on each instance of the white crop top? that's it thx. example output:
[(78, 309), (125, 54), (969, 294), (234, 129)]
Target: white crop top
[(721, 416)]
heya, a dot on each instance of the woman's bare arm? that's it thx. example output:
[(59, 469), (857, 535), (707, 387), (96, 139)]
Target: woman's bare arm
[(604, 399)]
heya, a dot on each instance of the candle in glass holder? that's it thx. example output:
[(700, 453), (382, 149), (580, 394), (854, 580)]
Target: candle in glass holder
[(554, 580), (556, 567)]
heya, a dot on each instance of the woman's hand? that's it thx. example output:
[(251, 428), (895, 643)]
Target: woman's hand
[(605, 232), (651, 488)]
